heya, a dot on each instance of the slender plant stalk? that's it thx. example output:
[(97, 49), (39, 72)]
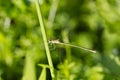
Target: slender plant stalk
[(52, 13), (66, 40), (68, 51), (44, 38)]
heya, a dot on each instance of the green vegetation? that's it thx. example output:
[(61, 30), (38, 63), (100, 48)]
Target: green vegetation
[(59, 40)]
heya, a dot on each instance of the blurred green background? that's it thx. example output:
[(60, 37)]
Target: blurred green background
[(93, 24)]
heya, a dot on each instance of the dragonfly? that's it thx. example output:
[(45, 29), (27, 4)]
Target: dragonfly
[(67, 44)]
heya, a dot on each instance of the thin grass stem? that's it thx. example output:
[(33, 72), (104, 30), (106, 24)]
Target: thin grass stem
[(44, 38), (67, 48)]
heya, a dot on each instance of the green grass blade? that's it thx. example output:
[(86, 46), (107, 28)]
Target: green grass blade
[(43, 74), (44, 37)]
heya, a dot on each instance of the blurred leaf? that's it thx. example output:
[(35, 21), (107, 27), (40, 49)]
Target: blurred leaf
[(29, 68), (43, 74), (111, 66), (95, 73)]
